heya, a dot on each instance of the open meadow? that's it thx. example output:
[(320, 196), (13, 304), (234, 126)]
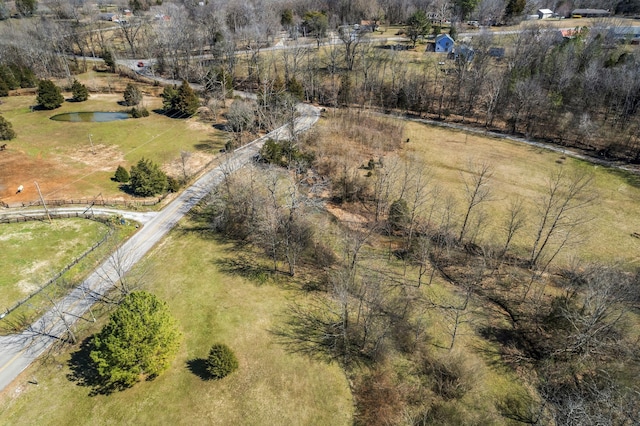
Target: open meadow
[(191, 271), (78, 159)]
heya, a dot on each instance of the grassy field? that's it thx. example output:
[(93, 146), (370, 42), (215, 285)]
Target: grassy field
[(272, 386), (33, 252), (521, 171), (60, 156)]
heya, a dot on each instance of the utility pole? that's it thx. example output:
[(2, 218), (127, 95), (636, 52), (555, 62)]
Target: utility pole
[(42, 200)]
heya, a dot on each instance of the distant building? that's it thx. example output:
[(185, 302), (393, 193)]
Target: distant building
[(496, 52), (590, 13), (630, 34), (545, 13), (444, 43), (463, 52)]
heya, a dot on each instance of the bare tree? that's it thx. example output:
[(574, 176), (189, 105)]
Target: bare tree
[(477, 191)]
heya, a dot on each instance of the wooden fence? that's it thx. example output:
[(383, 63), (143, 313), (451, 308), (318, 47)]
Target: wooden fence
[(59, 274)]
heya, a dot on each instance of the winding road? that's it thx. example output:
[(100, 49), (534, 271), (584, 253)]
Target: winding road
[(18, 351)]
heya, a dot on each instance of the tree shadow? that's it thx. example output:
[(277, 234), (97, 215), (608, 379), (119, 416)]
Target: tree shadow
[(246, 267), (198, 366), (85, 373)]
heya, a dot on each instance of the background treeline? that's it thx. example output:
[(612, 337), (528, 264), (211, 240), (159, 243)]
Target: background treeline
[(579, 92)]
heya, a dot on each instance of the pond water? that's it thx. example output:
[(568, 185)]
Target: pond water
[(91, 117)]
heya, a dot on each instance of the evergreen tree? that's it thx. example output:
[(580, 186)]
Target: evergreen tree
[(4, 89), (139, 340), (146, 179), (221, 361), (169, 95), (122, 175), (6, 130), (49, 95), (108, 59), (417, 26), (186, 101), (6, 75), (79, 91), (132, 95), (26, 7)]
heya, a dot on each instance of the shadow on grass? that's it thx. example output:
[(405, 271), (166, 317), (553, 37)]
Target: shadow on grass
[(246, 267), (198, 366), (84, 372)]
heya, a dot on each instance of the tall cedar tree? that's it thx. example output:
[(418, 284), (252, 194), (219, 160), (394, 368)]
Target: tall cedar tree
[(140, 340), (187, 102), (146, 179), (79, 91), (132, 95), (6, 130), (49, 95)]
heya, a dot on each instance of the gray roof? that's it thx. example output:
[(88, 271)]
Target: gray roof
[(590, 12)]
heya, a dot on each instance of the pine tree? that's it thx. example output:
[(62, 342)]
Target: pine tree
[(146, 179), (140, 340), (187, 102), (79, 91), (6, 130), (132, 95), (221, 361), (49, 95), (122, 175)]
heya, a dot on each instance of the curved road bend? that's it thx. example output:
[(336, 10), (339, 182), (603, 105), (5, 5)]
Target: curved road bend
[(18, 351)]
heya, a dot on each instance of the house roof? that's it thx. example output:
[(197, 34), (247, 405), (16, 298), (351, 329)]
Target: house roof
[(443, 36), (590, 12), (626, 31), (545, 11)]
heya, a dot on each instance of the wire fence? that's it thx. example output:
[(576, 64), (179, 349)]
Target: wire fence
[(94, 202), (57, 276)]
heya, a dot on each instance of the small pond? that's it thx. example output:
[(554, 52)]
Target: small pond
[(91, 117)]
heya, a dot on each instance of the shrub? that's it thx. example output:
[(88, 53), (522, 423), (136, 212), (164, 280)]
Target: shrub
[(122, 175), (79, 91), (173, 184), (132, 95), (139, 112), (49, 95), (6, 130), (221, 361)]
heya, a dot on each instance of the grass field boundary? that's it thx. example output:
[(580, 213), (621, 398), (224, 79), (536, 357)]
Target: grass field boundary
[(63, 270), (92, 202)]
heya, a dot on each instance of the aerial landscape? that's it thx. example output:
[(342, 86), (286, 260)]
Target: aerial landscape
[(295, 212)]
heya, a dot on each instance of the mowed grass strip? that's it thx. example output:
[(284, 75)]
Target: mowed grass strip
[(79, 159), (271, 387), (33, 252), (521, 170)]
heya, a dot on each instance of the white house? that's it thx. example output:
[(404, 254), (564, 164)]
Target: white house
[(545, 13)]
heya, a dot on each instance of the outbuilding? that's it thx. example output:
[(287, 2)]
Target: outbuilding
[(545, 13)]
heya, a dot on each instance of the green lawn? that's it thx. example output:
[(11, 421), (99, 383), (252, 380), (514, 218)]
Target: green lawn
[(33, 252), (79, 159), (271, 387)]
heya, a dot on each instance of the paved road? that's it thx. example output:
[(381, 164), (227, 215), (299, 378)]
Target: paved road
[(18, 351)]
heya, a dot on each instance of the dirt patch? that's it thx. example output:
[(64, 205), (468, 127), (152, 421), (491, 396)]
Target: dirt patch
[(99, 157), (353, 220), (193, 163)]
